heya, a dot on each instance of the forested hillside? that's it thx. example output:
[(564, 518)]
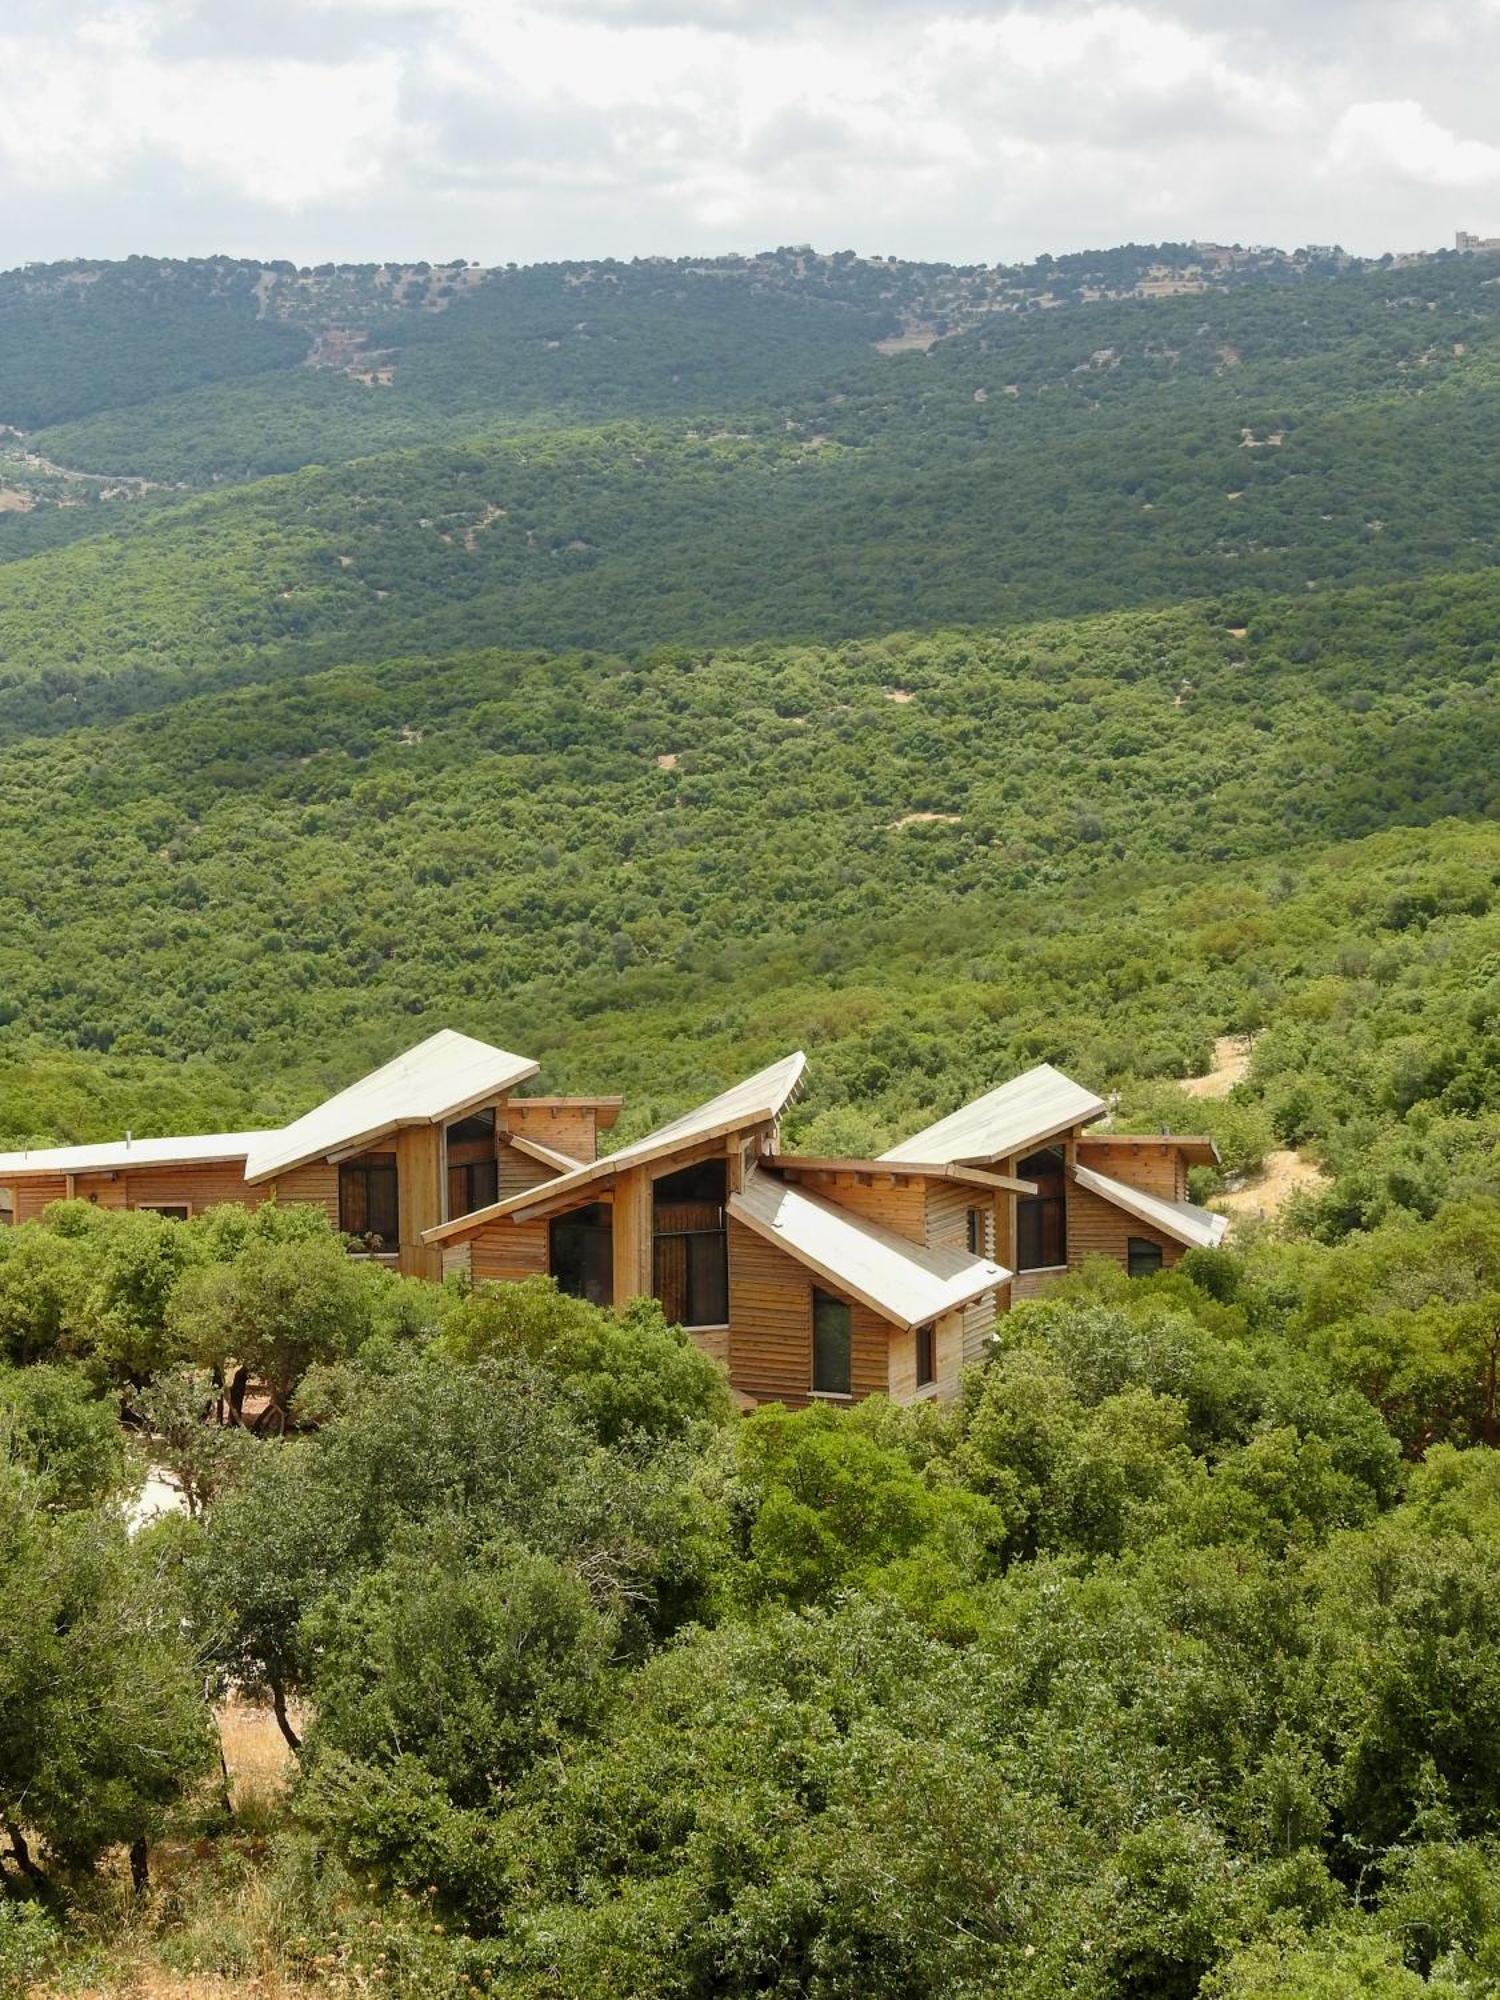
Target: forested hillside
[(1042, 463), (654, 668)]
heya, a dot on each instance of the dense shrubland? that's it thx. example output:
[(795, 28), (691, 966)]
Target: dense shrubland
[(1260, 817), (631, 488), (1162, 1663)]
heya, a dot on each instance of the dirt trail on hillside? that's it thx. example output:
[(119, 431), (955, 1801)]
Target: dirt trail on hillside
[(1285, 1173), (1231, 1060)]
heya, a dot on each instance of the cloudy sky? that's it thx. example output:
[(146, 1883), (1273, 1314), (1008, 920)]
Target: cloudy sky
[(496, 129)]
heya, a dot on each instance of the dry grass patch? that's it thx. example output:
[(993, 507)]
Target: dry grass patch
[(260, 1763), (150, 1981)]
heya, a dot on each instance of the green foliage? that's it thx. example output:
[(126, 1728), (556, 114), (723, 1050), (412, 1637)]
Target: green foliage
[(628, 1373), (277, 1309), (202, 1455), (1352, 1966), (833, 1504), (101, 1721), (28, 1946), (43, 1284), (63, 1436)]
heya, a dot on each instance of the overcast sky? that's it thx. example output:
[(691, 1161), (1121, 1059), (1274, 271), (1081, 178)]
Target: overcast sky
[(363, 129)]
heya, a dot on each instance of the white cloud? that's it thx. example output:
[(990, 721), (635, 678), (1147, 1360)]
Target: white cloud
[(526, 128), (1402, 137), (282, 133)]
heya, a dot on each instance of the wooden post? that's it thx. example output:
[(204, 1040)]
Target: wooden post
[(1005, 1231), (419, 1197), (632, 1235)]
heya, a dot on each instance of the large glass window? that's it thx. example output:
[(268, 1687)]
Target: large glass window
[(689, 1246), (1142, 1257), (974, 1231), (473, 1171), (1042, 1218), (367, 1201), (833, 1344), (472, 1184), (581, 1247)]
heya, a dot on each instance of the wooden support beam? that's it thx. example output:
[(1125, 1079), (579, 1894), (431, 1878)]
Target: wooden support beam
[(632, 1235), (419, 1197)]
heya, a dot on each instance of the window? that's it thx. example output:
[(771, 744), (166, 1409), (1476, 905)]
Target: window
[(833, 1341), (367, 1201), (1142, 1257), (474, 1184), (473, 1171), (581, 1253), (689, 1246), (1042, 1218), (927, 1353), (974, 1231), (478, 1126), (174, 1211)]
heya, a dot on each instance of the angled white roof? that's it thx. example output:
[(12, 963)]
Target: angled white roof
[(759, 1098), (439, 1079), (112, 1155), (1198, 1228), (1019, 1115), (902, 1281)]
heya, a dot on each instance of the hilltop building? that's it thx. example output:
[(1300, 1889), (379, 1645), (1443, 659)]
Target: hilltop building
[(805, 1277), (1469, 245)]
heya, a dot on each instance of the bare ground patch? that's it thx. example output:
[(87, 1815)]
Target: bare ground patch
[(1265, 1194), (1231, 1061)]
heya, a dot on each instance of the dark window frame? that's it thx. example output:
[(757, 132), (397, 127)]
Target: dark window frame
[(927, 1359), (1144, 1257), (379, 1199), (587, 1270), (479, 1182), (1042, 1218), (974, 1231), (703, 1283), (174, 1211), (830, 1306)]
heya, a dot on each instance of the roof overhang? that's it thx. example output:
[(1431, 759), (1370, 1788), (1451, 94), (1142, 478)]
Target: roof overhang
[(581, 1182), (897, 1170), (758, 1100), (1195, 1147), (1008, 1122), (904, 1283), (546, 1156), (121, 1156), (439, 1081), (606, 1110), (1195, 1228)]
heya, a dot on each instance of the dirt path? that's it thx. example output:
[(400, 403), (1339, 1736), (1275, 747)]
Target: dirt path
[(1231, 1061), (1285, 1173)]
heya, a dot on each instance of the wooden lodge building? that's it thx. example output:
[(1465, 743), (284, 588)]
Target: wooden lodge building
[(805, 1277)]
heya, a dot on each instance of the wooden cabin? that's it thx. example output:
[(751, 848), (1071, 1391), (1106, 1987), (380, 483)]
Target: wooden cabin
[(815, 1279), (1116, 1195), (434, 1133), (806, 1278)]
